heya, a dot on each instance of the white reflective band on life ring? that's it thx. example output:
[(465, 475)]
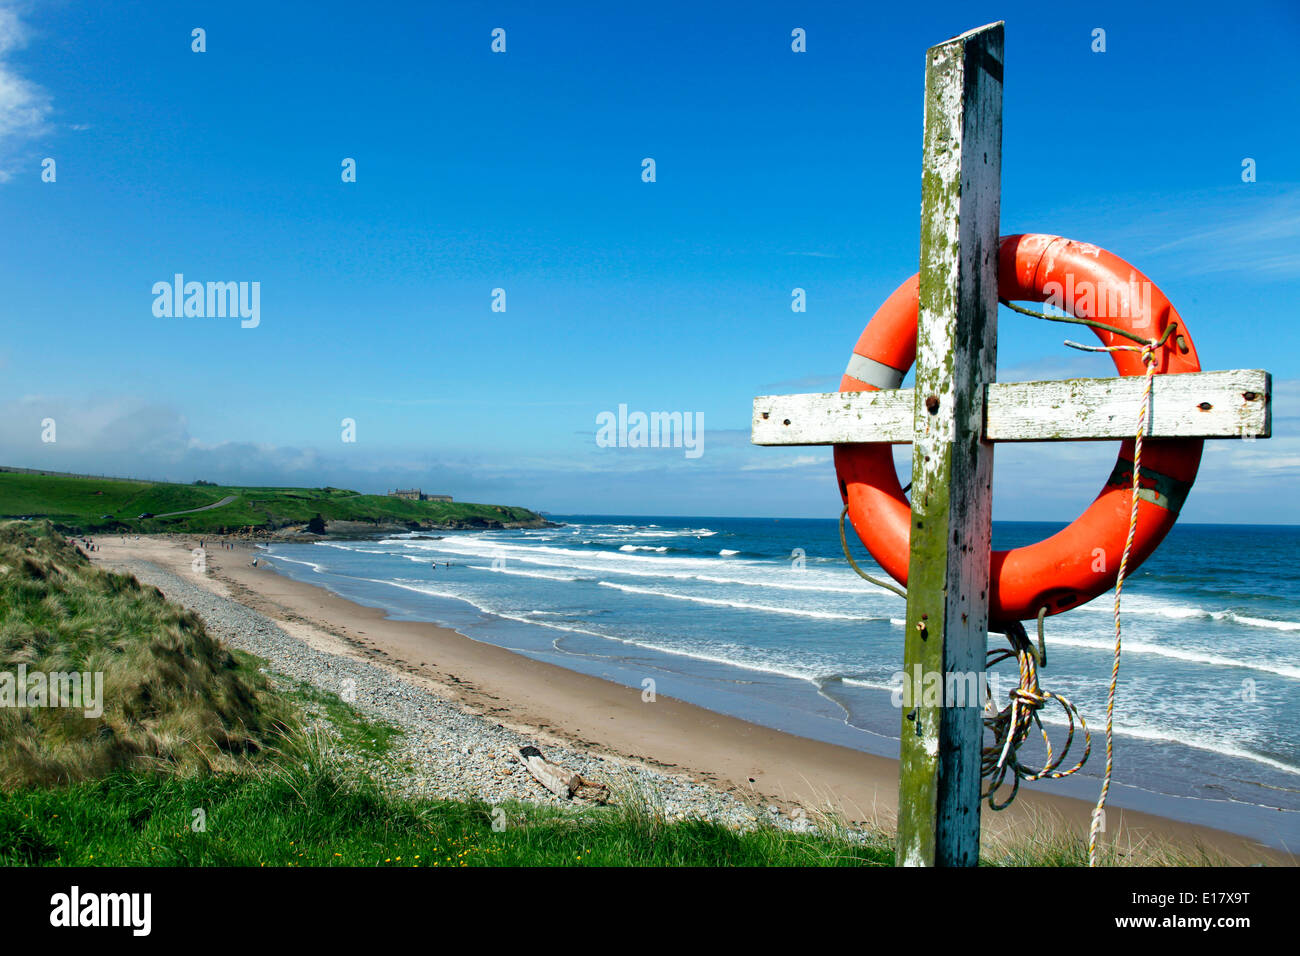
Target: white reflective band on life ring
[(874, 373)]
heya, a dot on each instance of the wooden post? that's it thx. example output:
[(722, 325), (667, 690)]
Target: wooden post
[(952, 463)]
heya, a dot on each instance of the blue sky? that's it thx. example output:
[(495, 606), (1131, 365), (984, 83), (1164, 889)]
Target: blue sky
[(522, 171)]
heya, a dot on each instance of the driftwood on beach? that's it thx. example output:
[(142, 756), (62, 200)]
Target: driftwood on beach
[(563, 783)]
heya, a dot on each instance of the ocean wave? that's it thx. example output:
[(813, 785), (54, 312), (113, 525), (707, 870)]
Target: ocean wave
[(1181, 737), (648, 561), (860, 682), (727, 552), (614, 561), (515, 572), (650, 531), (740, 605), (318, 568), (1174, 653), (728, 655), (773, 579), (1255, 621), (1153, 608), (355, 546), (419, 587), (685, 533), (548, 624)]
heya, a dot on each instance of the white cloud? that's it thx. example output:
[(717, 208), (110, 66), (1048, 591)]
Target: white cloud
[(800, 461), (24, 105), (1249, 229)]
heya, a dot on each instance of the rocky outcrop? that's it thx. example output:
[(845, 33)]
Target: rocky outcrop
[(361, 529)]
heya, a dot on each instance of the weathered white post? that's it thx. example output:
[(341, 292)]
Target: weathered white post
[(953, 415), (952, 464)]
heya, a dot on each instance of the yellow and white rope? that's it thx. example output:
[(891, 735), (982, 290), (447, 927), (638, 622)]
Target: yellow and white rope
[(1149, 362), (1012, 725)]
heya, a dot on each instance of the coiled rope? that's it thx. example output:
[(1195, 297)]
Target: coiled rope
[(1012, 725)]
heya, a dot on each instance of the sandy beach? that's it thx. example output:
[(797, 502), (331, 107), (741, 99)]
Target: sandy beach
[(581, 713)]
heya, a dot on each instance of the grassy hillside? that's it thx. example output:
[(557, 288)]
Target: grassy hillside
[(169, 694), (96, 505)]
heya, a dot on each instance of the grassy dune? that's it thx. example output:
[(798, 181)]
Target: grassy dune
[(98, 505), (171, 694)]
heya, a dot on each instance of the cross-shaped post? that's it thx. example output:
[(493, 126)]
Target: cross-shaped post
[(953, 416)]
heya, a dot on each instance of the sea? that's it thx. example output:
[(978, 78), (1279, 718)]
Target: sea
[(763, 619)]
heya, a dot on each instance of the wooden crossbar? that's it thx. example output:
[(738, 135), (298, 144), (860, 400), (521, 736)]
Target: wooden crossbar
[(1228, 404)]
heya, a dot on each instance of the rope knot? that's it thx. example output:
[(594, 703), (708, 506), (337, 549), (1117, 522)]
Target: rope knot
[(1011, 727), (1031, 698)]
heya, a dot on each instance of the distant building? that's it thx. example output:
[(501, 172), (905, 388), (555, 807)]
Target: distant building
[(415, 494)]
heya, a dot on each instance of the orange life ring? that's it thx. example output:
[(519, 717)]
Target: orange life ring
[(1078, 563)]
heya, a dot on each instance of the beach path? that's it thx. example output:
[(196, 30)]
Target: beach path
[(216, 504)]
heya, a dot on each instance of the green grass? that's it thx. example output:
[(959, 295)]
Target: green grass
[(353, 730), (298, 806), (80, 504), (300, 813)]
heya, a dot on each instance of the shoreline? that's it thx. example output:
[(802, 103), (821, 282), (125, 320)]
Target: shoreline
[(588, 714)]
